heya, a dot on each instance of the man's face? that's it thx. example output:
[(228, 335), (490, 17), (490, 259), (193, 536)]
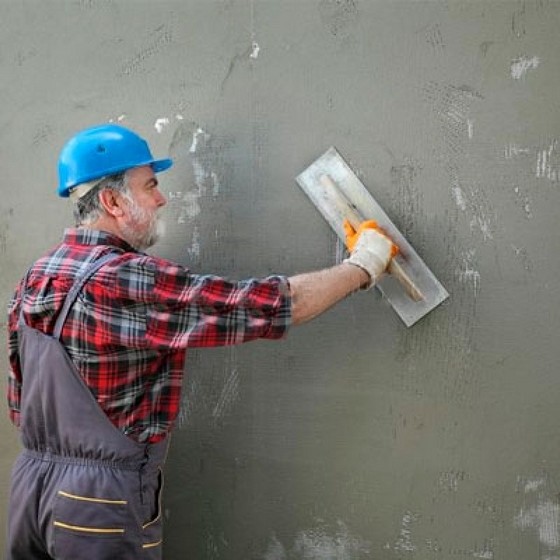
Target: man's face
[(142, 225)]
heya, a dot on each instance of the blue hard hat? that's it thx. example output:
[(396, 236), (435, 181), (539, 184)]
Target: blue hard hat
[(103, 150)]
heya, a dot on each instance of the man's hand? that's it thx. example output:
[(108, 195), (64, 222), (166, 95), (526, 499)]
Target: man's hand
[(370, 248)]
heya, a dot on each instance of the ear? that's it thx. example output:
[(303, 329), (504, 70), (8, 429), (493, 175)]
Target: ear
[(111, 202)]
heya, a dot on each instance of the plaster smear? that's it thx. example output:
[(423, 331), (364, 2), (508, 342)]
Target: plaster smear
[(319, 544), (520, 66), (204, 175), (540, 514)]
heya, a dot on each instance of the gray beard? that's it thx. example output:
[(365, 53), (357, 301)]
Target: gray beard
[(145, 228)]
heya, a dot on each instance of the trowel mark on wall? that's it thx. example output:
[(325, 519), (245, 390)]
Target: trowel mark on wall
[(448, 481), (523, 256), (163, 37), (338, 15), (451, 106), (486, 551), (523, 200), (407, 199), (482, 215), (275, 550), (42, 135), (434, 37), (518, 21), (229, 394)]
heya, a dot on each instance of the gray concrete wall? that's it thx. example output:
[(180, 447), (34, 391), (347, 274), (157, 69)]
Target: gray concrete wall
[(354, 438)]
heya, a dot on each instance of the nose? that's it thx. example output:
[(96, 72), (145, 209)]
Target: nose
[(160, 198)]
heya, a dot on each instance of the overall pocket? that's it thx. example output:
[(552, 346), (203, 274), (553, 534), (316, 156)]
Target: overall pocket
[(89, 526)]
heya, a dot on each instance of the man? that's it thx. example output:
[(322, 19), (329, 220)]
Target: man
[(98, 333)]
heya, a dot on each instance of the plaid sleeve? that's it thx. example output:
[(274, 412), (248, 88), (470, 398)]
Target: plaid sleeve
[(185, 309)]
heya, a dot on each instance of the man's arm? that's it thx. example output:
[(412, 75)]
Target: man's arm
[(315, 292)]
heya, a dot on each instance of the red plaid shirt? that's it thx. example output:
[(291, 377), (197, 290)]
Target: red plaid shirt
[(130, 327)]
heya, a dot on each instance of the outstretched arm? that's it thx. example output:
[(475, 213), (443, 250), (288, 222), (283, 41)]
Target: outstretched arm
[(315, 292)]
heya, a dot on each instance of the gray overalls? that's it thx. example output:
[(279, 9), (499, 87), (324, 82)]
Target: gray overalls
[(80, 488)]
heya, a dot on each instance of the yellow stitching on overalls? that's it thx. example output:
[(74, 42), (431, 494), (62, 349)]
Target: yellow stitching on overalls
[(152, 544), (88, 529), (95, 500), (159, 502)]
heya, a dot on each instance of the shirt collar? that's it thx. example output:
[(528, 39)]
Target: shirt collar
[(85, 236)]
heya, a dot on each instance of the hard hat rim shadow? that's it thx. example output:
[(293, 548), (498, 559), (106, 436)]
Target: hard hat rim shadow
[(103, 150)]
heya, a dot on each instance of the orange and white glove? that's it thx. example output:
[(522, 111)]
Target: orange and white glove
[(370, 249)]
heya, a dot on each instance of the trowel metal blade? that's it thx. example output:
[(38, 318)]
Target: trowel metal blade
[(313, 183)]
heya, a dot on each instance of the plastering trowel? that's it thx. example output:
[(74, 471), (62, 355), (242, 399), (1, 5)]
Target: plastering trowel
[(410, 287)]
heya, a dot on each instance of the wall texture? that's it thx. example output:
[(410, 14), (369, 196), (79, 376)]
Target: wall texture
[(356, 437)]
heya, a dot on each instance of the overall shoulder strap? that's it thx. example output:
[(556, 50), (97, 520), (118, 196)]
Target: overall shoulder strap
[(21, 320), (90, 270)]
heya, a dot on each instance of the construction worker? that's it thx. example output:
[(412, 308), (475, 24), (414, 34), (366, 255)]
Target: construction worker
[(98, 333)]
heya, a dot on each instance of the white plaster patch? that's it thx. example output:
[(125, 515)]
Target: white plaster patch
[(254, 50), (482, 223), (119, 119), (197, 135), (459, 197), (204, 176), (404, 542), (194, 250), (470, 128), (543, 517), (548, 166), (512, 151), (532, 485), (319, 544), (540, 513), (160, 124), (467, 273), (187, 203), (520, 66), (486, 552)]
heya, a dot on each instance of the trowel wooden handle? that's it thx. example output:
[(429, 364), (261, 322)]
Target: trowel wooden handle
[(354, 216)]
